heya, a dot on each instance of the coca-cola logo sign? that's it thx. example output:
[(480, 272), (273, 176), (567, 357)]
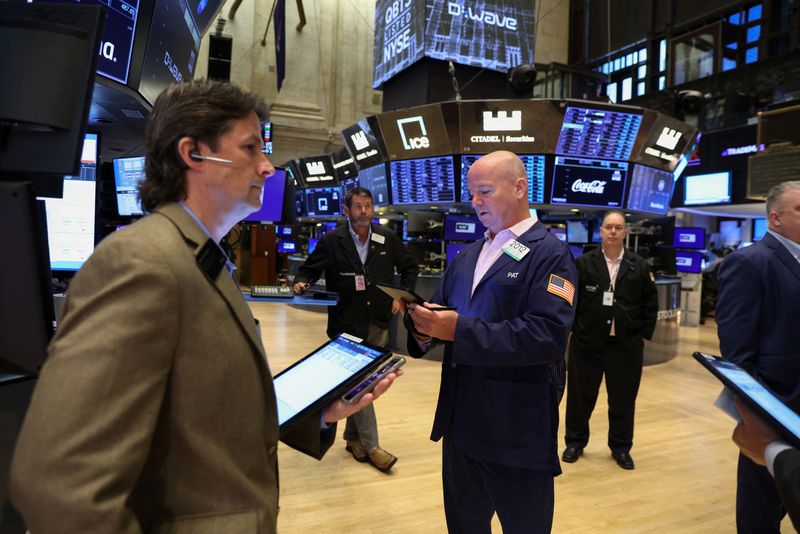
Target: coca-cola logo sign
[(596, 187)]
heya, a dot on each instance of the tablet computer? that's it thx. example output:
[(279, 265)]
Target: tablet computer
[(769, 407), (312, 383), (401, 293)]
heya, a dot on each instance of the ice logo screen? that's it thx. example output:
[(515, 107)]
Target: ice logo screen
[(502, 122), (408, 133)]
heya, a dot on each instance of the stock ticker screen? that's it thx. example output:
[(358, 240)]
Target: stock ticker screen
[(588, 182), (651, 190), (598, 133), (423, 180), (534, 167)]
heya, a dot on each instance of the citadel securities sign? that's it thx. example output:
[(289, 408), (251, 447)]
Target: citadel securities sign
[(516, 125)]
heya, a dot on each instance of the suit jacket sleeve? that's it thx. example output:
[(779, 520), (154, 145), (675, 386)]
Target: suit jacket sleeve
[(649, 304), (536, 336), (740, 295), (88, 430), (787, 478), (315, 264)]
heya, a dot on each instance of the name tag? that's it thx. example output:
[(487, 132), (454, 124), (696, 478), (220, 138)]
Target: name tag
[(608, 298), (515, 249), (361, 283), (380, 239)]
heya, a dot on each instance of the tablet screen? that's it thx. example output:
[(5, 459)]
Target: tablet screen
[(746, 385), (322, 372)]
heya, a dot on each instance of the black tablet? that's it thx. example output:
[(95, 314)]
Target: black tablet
[(771, 409), (312, 383), (400, 293)]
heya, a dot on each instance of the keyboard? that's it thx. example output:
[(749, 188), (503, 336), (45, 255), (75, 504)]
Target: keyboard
[(271, 292)]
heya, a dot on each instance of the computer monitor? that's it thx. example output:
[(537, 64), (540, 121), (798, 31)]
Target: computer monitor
[(26, 307), (128, 173), (534, 167), (344, 166), (559, 232), (730, 232), (759, 228), (323, 202), (462, 227), (374, 178), (312, 244), (272, 199), (452, 250), (287, 246), (424, 223), (712, 188), (578, 232), (598, 133), (423, 180), (588, 182), (688, 262), (71, 219), (650, 190), (690, 238), (266, 135), (283, 231)]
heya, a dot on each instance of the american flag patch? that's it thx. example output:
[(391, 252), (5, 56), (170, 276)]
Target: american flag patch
[(561, 287)]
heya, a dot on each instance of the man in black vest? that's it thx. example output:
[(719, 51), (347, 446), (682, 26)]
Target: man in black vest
[(617, 310)]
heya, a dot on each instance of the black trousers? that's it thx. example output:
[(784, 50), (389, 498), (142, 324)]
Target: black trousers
[(758, 504), (474, 490), (622, 367)]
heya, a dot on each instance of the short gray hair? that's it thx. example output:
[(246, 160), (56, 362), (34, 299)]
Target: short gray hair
[(778, 191)]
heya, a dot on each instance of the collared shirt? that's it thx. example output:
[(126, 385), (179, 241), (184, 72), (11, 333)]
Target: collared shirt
[(613, 265), (229, 265), (791, 246), (493, 248), (361, 249)]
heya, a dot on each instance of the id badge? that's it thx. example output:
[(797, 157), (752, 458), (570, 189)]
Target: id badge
[(608, 298), (361, 283)]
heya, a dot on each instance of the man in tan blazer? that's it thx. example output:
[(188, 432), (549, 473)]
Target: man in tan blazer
[(155, 411)]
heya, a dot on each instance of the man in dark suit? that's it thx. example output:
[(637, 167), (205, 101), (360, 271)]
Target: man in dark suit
[(758, 288), (617, 310), (503, 371), (761, 444), (155, 410), (354, 257)]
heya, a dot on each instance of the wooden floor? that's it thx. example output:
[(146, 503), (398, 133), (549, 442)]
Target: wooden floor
[(684, 481)]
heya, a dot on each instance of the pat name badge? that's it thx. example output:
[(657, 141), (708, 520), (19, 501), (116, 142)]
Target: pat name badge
[(379, 239), (361, 283), (515, 249), (608, 298)]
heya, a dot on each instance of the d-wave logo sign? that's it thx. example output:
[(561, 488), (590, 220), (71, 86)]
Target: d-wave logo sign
[(596, 187), (413, 143), (482, 16)]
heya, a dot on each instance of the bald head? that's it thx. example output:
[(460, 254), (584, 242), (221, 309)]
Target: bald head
[(499, 188)]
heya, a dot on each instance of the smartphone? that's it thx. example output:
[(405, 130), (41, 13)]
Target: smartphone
[(407, 296), (367, 385)]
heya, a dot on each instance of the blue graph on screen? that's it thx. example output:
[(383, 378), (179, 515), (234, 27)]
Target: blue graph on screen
[(598, 133)]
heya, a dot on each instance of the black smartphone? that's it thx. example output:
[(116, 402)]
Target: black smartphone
[(407, 296), (367, 385)]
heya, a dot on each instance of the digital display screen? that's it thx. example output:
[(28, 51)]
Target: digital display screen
[(667, 139), (128, 172), (316, 171), (578, 232), (323, 202), (286, 246), (452, 250), (284, 231), (462, 227), (344, 166), (521, 126), (759, 228), (588, 182), (399, 37), (559, 232), (689, 238), (493, 34), (363, 143), (534, 167), (597, 133), (375, 180), (172, 47), (423, 181), (312, 244), (688, 262), (415, 132), (71, 218), (271, 199), (714, 188), (266, 135), (651, 190)]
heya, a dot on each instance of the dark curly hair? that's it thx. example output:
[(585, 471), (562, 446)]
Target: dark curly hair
[(202, 110)]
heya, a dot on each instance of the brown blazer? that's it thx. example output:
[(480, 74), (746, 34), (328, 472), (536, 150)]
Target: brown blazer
[(155, 410)]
